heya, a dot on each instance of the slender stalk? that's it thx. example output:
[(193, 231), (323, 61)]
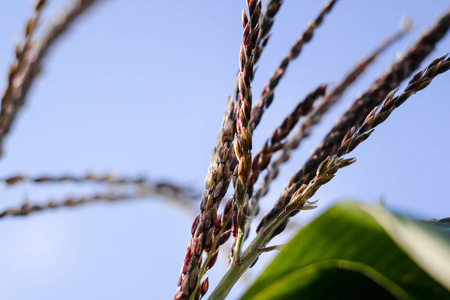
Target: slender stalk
[(356, 135), (264, 103), (163, 187), (268, 91), (265, 24), (316, 116), (26, 208), (18, 69), (14, 99), (142, 189), (391, 79), (223, 161), (326, 172), (243, 136), (218, 177)]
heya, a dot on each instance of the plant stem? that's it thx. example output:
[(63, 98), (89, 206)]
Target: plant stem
[(250, 254), (229, 280), (237, 249), (271, 248)]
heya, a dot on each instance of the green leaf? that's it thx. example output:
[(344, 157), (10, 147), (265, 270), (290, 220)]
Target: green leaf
[(354, 251)]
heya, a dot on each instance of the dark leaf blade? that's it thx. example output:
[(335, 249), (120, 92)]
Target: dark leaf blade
[(350, 280)]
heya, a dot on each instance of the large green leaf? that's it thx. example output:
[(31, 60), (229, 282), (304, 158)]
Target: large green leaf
[(353, 251)]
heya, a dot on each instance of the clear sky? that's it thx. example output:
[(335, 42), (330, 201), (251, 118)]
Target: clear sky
[(139, 87)]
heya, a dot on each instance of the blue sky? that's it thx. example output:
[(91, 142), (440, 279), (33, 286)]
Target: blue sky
[(139, 87)]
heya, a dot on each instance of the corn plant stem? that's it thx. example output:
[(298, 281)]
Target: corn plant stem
[(250, 254)]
